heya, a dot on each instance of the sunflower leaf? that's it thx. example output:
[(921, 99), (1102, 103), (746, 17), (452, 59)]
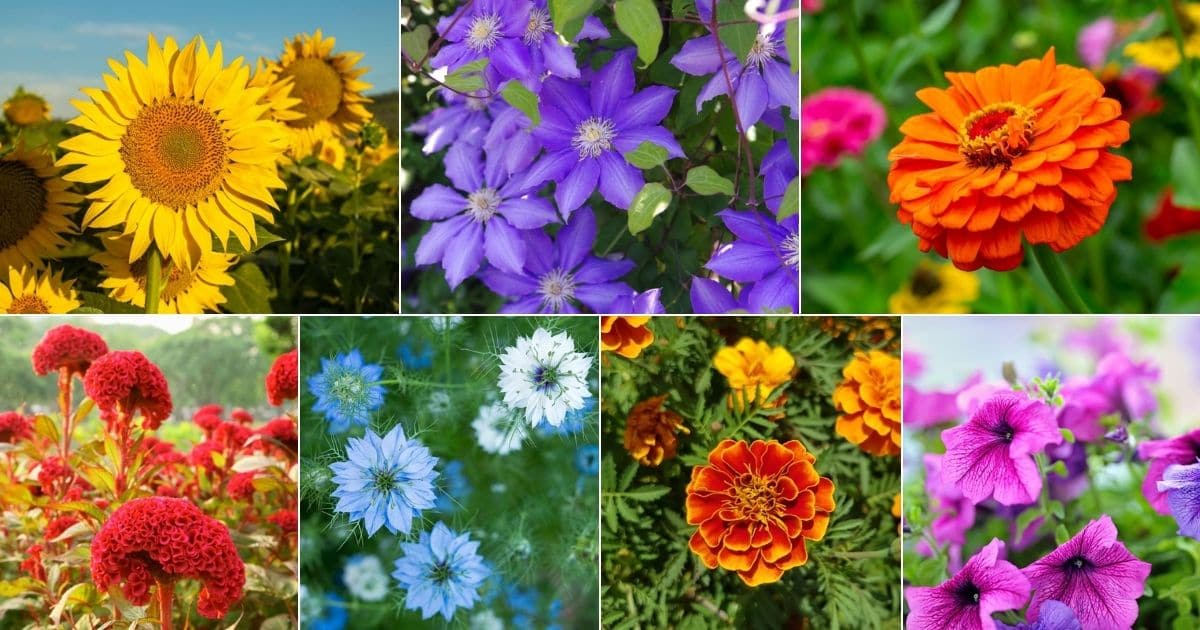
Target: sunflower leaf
[(250, 292)]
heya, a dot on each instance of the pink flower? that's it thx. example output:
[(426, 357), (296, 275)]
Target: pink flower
[(1096, 40), (811, 6), (953, 514), (926, 408), (835, 122), (1184, 449), (992, 453), (987, 584)]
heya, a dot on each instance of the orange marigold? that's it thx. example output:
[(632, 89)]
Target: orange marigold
[(650, 431), (756, 505), (1009, 151), (627, 336), (869, 399)]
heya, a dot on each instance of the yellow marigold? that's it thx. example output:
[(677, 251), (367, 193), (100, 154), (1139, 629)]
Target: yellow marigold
[(896, 505), (650, 431), (26, 108), (869, 399), (936, 288), (1162, 53), (753, 369), (627, 336)]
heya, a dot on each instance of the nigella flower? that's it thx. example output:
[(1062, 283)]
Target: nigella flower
[(986, 584), (442, 572), (463, 119), (1162, 454), (483, 217), (415, 355), (765, 81), (347, 390), (586, 133), (385, 481), (487, 29), (992, 453), (561, 273), (1182, 487), (498, 430), (1051, 616), (575, 420), (365, 577), (456, 489), (764, 252), (1094, 574), (544, 375), (587, 460), (322, 612)]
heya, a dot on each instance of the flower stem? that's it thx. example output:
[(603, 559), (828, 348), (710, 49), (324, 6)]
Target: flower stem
[(153, 280), (64, 405), (166, 597), (1051, 265), (1185, 66)]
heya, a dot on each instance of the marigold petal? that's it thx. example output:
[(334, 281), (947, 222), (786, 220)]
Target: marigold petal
[(731, 560), (761, 573)]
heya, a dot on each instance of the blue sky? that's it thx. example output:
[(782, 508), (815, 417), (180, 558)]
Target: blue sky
[(55, 48)]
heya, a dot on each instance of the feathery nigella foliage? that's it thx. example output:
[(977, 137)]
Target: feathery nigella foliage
[(670, 126), (470, 492)]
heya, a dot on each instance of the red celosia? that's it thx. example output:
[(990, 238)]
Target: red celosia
[(232, 435), (1171, 220), (287, 520), (282, 380), (241, 416), (161, 453), (127, 383), (67, 347), (32, 565), (208, 418), (155, 539), (56, 527), (241, 486), (15, 427), (52, 475), (283, 431)]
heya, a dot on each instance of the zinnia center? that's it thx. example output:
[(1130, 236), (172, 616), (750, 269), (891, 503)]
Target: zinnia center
[(557, 288), (28, 304), (175, 153), (996, 134), (537, 27), (755, 497), (483, 32), (22, 201), (318, 85), (483, 204), (177, 282), (594, 136)]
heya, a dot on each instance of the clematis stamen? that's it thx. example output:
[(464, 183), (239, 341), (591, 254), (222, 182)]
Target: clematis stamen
[(538, 26), (762, 51), (557, 288), (484, 32), (594, 136), (483, 204)]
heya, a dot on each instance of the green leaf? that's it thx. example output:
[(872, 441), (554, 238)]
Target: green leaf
[(1061, 535), (19, 586), (250, 292), (568, 15), (791, 35), (1068, 435), (523, 99), (105, 304), (415, 43), (639, 20), (646, 493), (706, 181), (791, 200), (1059, 468), (467, 78), (647, 155), (737, 37), (1185, 173), (940, 18), (651, 201), (263, 238)]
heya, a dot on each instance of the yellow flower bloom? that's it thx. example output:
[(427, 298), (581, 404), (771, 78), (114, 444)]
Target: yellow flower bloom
[(650, 431), (1162, 53), (332, 151), (936, 288), (869, 399), (30, 291), (185, 151), (184, 290), (26, 108), (35, 209), (627, 336), (753, 369)]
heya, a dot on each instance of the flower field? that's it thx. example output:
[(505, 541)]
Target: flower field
[(750, 475), (117, 507), (573, 156), (995, 158)]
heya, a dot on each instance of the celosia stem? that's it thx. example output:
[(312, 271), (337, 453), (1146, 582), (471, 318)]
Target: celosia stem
[(153, 280), (1051, 265), (64, 405), (1185, 66), (166, 597)]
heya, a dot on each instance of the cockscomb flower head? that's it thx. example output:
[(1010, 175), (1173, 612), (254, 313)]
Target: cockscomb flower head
[(441, 572), (283, 381), (125, 383), (650, 431), (156, 539), (755, 506), (347, 390), (986, 584), (14, 427), (385, 481), (1009, 153), (67, 348), (544, 376)]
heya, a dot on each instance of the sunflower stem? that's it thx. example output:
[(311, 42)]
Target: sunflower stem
[(1185, 66), (1051, 266), (153, 280)]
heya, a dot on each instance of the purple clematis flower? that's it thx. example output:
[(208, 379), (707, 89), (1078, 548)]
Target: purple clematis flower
[(764, 252), (1051, 616), (765, 81), (987, 584), (1094, 574), (560, 274), (464, 118), (483, 217), (510, 140), (488, 29), (545, 49), (1162, 454), (778, 170), (992, 453), (711, 297), (1182, 486), (640, 303), (586, 132)]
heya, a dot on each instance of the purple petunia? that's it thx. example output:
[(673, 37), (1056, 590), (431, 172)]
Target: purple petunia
[(586, 132), (1094, 574), (953, 514), (560, 274), (483, 217), (764, 252), (1162, 454), (488, 29), (1051, 616), (1182, 486), (992, 453), (926, 407), (1127, 384), (985, 585)]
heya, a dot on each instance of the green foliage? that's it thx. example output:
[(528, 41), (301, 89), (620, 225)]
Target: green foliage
[(640, 21), (651, 201), (651, 578)]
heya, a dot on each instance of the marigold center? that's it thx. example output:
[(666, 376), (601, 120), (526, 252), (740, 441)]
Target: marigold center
[(755, 497)]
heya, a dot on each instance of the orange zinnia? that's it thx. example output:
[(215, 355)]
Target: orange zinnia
[(627, 336), (1009, 152), (869, 399), (755, 505)]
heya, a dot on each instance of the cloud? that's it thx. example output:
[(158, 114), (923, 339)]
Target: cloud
[(58, 90), (127, 30)]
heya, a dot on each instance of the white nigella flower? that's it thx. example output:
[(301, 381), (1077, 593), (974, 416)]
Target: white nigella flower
[(499, 430), (544, 376), (439, 403), (486, 620), (365, 578)]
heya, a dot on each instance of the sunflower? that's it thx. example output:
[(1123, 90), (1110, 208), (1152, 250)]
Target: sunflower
[(185, 149), (32, 291), (184, 290), (328, 87), (35, 208), (26, 108), (936, 288), (1009, 152), (332, 151)]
